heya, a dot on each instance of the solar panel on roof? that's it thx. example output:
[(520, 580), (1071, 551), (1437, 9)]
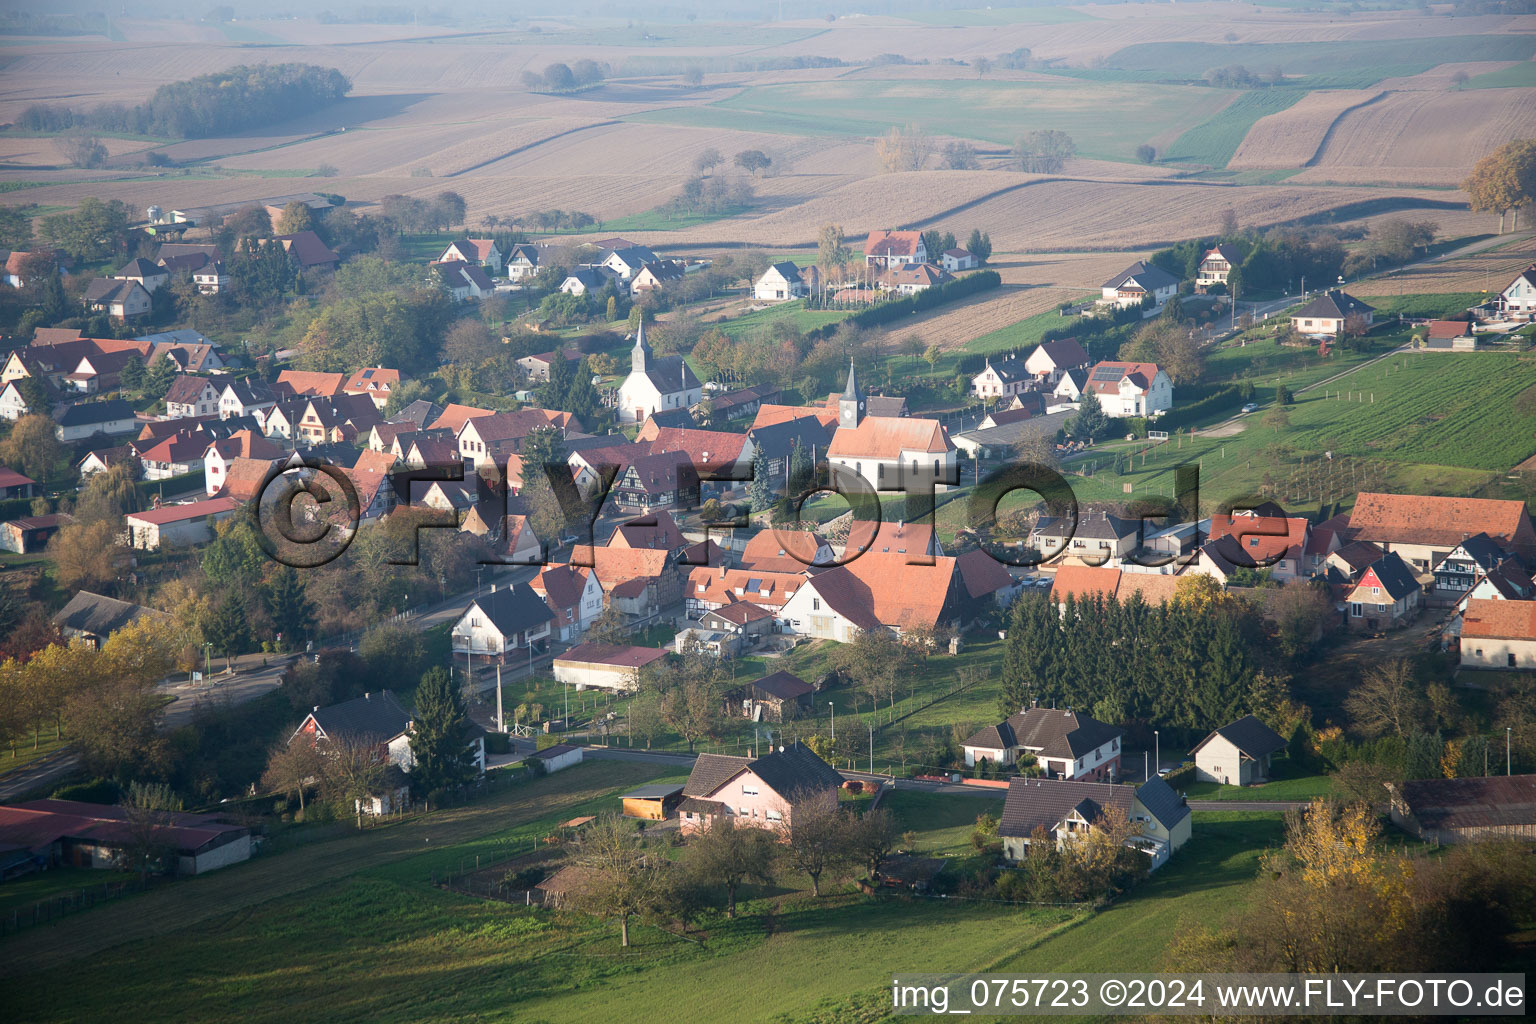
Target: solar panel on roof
[(1108, 373)]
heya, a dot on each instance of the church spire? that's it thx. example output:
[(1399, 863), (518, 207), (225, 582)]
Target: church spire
[(641, 352), (850, 407)]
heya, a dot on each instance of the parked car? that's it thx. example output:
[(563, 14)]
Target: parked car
[(1251, 407)]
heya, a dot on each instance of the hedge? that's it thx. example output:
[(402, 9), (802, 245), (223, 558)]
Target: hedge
[(15, 508), (151, 489), (1187, 415), (927, 299)]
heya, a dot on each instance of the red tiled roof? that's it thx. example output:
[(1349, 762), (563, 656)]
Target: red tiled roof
[(1263, 538), (179, 513), (774, 550), (1080, 581), (895, 243), (614, 655), (769, 414), (454, 416), (1499, 620), (887, 437), (304, 382), (1427, 519)]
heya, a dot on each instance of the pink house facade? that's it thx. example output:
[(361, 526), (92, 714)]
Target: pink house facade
[(764, 792)]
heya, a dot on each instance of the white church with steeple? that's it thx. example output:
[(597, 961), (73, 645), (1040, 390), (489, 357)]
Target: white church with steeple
[(655, 383), (893, 453)]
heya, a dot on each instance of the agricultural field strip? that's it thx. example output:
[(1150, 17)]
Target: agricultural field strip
[(226, 892)]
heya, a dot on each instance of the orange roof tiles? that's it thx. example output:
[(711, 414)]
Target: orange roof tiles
[(1426, 519), (768, 414), (1499, 620), (887, 437)]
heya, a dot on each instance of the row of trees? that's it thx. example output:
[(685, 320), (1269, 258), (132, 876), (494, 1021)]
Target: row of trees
[(238, 98), (562, 77), (1194, 661), (625, 875)]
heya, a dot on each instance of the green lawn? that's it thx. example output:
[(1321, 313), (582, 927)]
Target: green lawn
[(1213, 142), (1353, 63), (1001, 16), (660, 219), (1437, 423), (1287, 782), (25, 753), (802, 319), (382, 944), (1107, 120), (1520, 76), (1443, 304), (42, 886)]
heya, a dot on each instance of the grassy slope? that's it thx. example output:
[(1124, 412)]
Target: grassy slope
[(1520, 76), (1214, 141), (1442, 425), (1096, 115)]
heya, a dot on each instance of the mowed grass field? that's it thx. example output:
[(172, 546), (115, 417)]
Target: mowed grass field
[(382, 944), (1107, 120), (1439, 422)]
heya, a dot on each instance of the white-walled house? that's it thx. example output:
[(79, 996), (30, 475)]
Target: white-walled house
[(1520, 296), (87, 419), (1066, 744), (1001, 378), (1131, 389), (13, 405), (508, 619), (780, 282), (1051, 359), (177, 525), (891, 453), (1327, 314), (1133, 285), (191, 396), (1065, 810), (1237, 754)]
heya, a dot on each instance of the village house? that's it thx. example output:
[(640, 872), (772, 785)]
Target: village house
[(1051, 359), (191, 396), (374, 718), (1498, 634), (727, 632), (508, 620), (174, 456), (522, 262), (1097, 537), (1423, 529), (482, 252), (1328, 314), (1065, 744), (182, 525), (1063, 810), (1140, 283), (463, 281), (1238, 753), (722, 406), (1463, 566), (891, 453), (582, 280), (785, 551), (779, 697), (780, 282), (143, 272), (377, 382), (309, 251), (711, 587), (95, 617), (1385, 596), (1274, 543), (308, 384), (763, 792), (655, 276), (78, 422), (627, 262), (42, 834), (244, 398), (1086, 583), (956, 260), (1131, 389), (887, 249), (910, 279), (612, 667), (573, 594), (13, 404), (122, 300), (778, 443), (1465, 810), (537, 367), (1507, 581), (211, 278), (1002, 377), (640, 583), (1216, 267), (655, 383), (1519, 297)]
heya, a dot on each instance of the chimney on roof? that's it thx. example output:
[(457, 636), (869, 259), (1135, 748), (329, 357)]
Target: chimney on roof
[(317, 707)]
